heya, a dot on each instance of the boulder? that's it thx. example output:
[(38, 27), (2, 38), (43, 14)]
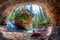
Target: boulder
[(23, 19)]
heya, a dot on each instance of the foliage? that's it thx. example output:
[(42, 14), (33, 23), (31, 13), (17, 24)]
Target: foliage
[(41, 19), (22, 17), (38, 20), (12, 15)]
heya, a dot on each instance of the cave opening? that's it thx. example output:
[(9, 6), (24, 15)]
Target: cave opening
[(27, 18)]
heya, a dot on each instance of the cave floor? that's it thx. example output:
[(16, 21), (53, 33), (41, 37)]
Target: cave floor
[(8, 35)]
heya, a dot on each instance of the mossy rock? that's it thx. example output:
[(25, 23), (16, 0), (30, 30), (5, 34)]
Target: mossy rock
[(23, 19)]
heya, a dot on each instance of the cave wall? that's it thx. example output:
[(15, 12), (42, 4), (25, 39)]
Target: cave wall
[(51, 6), (54, 12)]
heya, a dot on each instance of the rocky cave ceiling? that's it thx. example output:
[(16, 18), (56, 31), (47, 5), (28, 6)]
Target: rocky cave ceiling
[(51, 6)]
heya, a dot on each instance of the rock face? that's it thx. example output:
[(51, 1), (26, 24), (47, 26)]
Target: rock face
[(23, 19), (52, 7)]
